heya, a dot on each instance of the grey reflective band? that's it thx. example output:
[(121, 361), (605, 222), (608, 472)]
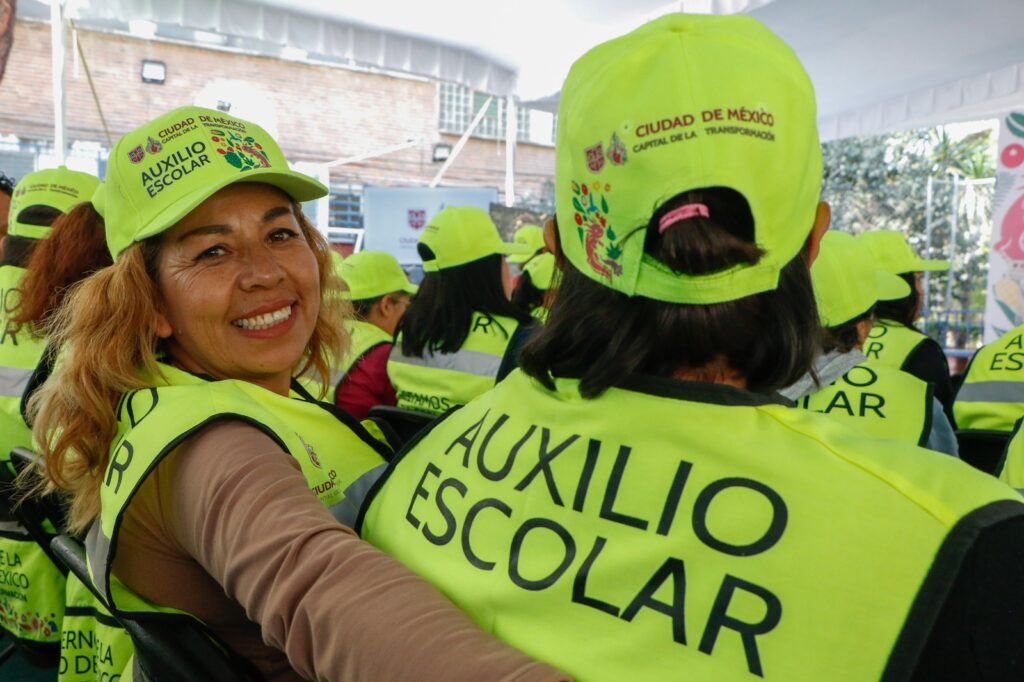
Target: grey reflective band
[(992, 392), (12, 527), (97, 553), (465, 361), (13, 381)]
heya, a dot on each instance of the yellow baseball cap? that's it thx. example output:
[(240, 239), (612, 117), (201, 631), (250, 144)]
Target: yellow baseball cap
[(893, 253), (847, 281), (370, 274), (159, 172), (542, 270), (57, 188), (462, 234), (531, 236), (685, 102)]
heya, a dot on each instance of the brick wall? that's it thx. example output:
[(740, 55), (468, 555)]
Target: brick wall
[(323, 112)]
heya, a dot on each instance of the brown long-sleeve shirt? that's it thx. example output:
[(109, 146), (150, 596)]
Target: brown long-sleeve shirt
[(226, 529)]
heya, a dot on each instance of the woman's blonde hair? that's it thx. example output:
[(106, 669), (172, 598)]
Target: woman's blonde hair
[(106, 331)]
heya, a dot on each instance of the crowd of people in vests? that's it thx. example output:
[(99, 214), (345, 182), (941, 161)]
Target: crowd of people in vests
[(680, 431)]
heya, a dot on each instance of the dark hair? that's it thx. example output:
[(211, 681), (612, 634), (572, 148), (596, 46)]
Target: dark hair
[(6, 184), (603, 336), (76, 248), (439, 317), (526, 295), (844, 337), (903, 310), (363, 307)]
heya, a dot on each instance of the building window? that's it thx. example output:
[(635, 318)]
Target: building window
[(522, 123), (347, 207), (455, 108), (460, 104)]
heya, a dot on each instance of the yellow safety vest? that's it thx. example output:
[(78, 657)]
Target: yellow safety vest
[(94, 647), (20, 352), (31, 587), (992, 395), (891, 343), (331, 448), (883, 401), (364, 337), (675, 530), (439, 381)]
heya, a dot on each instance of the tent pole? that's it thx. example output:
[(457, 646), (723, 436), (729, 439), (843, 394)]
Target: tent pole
[(58, 34), (461, 143), (511, 134)]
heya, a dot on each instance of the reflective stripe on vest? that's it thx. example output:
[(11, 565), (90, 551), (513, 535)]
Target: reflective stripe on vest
[(439, 381), (992, 395), (891, 343), (330, 447), (882, 401), (640, 534)]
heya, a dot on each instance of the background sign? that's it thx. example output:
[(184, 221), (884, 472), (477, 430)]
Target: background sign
[(394, 216), (1004, 300)]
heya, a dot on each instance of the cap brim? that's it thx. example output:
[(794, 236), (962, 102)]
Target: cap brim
[(512, 250), (410, 289), (520, 258), (296, 185), (891, 287), (923, 265)]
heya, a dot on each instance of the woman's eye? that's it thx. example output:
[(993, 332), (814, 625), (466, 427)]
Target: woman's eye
[(212, 252), (283, 234)]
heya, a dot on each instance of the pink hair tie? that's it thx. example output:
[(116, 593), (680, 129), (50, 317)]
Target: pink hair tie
[(682, 213)]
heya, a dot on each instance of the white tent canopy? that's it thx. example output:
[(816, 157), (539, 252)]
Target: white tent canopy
[(877, 65)]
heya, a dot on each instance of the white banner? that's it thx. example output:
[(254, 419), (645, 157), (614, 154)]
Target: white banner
[(1004, 302), (394, 216)]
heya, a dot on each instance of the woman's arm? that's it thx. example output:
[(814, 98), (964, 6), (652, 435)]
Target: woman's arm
[(339, 609)]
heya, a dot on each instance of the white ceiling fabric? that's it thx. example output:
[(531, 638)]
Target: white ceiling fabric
[(877, 65)]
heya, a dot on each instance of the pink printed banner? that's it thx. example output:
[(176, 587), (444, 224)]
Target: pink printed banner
[(1004, 303)]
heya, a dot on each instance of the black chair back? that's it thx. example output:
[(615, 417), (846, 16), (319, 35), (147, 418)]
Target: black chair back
[(167, 648), (406, 423), (983, 449)]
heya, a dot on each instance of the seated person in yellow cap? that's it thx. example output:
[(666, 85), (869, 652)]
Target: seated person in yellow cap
[(636, 502), (531, 237), (380, 292), (894, 340), (206, 476), (455, 333), (991, 397), (883, 401), (33, 278)]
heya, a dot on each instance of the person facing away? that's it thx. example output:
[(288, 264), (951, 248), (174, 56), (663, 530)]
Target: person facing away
[(46, 251), (991, 397), (531, 237), (205, 474), (455, 333), (536, 286), (636, 502), (883, 401), (894, 340), (380, 292)]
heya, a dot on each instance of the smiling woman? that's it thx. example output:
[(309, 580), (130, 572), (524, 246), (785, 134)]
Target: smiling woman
[(189, 450)]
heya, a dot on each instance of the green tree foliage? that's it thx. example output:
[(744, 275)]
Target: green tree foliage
[(881, 182)]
